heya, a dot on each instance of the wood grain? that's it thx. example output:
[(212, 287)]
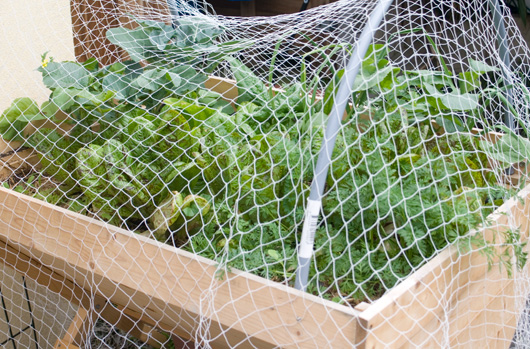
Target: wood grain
[(421, 300), (169, 285)]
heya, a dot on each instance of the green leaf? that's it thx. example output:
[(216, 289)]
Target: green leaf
[(366, 79), (94, 99), (128, 69), (465, 101), (331, 90), (64, 98), (469, 81), (135, 41), (197, 30), (451, 123), (453, 101), (175, 79), (77, 205), (246, 112), (150, 25), (117, 67), (117, 83), (21, 108), (15, 118), (375, 54), (49, 109), (56, 155), (511, 148), (431, 77), (275, 255), (190, 79), (160, 38), (214, 100), (91, 64), (65, 75), (169, 215), (233, 46), (250, 88), (481, 67), (150, 80), (29, 117), (193, 113), (184, 177)]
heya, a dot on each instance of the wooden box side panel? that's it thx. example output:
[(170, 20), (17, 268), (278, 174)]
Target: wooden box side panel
[(169, 285), (454, 296)]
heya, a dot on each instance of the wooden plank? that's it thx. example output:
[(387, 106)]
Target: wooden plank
[(130, 325), (66, 288), (144, 318), (33, 269), (496, 323), (226, 87), (126, 321), (476, 291), (148, 334), (413, 304), (169, 285), (78, 30), (64, 345), (469, 303), (180, 343), (80, 328), (90, 22)]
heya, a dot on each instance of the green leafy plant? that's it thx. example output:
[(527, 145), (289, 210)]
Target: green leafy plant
[(147, 147)]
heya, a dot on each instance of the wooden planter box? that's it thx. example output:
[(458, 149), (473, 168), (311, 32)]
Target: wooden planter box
[(451, 300)]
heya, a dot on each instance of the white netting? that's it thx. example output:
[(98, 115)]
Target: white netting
[(159, 182)]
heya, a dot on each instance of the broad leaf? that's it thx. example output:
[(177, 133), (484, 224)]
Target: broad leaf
[(451, 123), (150, 80), (481, 67), (136, 42), (160, 38), (511, 148), (185, 78), (365, 80), (197, 30), (65, 75), (250, 88), (215, 101), (91, 64), (468, 81), (15, 118), (453, 101), (117, 83), (24, 109), (95, 100), (64, 98)]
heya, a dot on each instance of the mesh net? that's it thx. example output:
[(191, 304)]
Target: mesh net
[(172, 184)]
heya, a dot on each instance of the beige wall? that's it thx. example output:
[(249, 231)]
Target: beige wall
[(29, 28)]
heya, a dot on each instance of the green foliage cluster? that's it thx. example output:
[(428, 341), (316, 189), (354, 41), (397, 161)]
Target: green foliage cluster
[(150, 148)]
